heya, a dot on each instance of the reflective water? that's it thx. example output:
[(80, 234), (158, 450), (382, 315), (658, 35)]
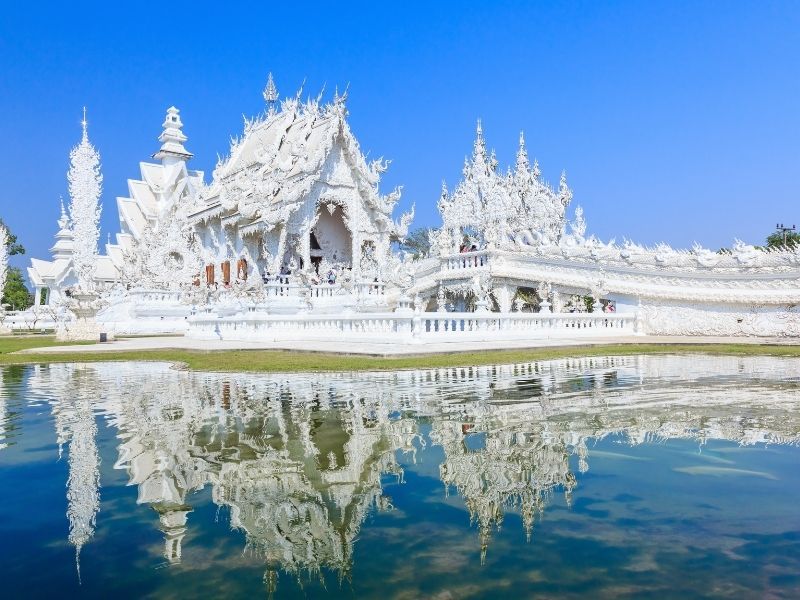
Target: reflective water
[(603, 477)]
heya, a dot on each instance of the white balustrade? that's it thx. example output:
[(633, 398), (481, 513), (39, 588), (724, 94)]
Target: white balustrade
[(253, 324), (371, 288), (324, 290), (281, 288), (154, 296), (466, 260)]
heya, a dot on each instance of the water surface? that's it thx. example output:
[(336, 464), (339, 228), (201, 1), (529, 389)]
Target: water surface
[(661, 476)]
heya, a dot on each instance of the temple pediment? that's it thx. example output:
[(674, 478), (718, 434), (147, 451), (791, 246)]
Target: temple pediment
[(337, 171)]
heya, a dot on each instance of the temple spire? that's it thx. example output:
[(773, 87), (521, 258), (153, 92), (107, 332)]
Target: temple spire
[(270, 94), (63, 246), (85, 187), (85, 126), (172, 139), (523, 164), (480, 143), (63, 220)]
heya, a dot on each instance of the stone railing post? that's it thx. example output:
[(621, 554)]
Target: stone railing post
[(416, 325)]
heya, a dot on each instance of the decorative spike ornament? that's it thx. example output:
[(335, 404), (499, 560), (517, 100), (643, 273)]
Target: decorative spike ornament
[(85, 186), (270, 94), (522, 154), (479, 149), (63, 220), (564, 193)]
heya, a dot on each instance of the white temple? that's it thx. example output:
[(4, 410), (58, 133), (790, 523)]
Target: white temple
[(293, 239)]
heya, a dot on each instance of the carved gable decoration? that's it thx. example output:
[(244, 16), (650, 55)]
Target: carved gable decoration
[(285, 160), (337, 172)]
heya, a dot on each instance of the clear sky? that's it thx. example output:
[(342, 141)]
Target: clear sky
[(675, 121)]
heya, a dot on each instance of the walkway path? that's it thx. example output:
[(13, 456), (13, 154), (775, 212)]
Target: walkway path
[(387, 349)]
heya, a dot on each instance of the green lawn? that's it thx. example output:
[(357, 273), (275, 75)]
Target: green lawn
[(12, 343), (282, 361)]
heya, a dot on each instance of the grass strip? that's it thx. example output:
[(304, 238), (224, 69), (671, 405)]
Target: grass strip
[(274, 361)]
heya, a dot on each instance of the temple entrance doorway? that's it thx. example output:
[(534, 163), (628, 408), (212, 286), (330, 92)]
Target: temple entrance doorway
[(330, 240)]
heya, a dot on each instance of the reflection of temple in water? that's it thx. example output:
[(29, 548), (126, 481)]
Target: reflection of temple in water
[(298, 460)]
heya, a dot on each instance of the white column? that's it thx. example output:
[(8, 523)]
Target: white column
[(37, 298)]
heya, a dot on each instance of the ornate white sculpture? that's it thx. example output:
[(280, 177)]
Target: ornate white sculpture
[(85, 186), (543, 291), (501, 210)]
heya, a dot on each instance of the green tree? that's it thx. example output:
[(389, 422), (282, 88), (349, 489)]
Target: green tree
[(775, 240), (417, 242), (13, 246), (16, 295)]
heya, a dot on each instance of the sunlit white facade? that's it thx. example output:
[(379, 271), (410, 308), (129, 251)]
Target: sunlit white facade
[(292, 238)]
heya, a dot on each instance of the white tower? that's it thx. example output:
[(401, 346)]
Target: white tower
[(85, 186), (172, 139)]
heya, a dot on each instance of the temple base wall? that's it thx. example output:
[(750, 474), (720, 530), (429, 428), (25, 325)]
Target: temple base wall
[(146, 312), (735, 320)]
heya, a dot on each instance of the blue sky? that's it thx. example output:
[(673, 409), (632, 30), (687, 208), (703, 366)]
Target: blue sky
[(675, 121)]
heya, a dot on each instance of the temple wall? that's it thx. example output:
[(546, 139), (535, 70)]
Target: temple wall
[(739, 320)]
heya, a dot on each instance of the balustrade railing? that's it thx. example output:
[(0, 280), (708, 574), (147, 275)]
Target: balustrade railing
[(281, 288), (155, 296), (324, 290), (511, 324), (466, 260), (374, 288), (255, 325)]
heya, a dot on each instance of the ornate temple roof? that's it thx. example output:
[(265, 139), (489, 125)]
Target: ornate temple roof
[(282, 154)]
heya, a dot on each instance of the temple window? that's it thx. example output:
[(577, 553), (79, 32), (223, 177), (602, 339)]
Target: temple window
[(210, 279), (226, 272), (241, 269)]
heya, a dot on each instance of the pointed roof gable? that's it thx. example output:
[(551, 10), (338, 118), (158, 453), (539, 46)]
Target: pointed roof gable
[(280, 157)]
